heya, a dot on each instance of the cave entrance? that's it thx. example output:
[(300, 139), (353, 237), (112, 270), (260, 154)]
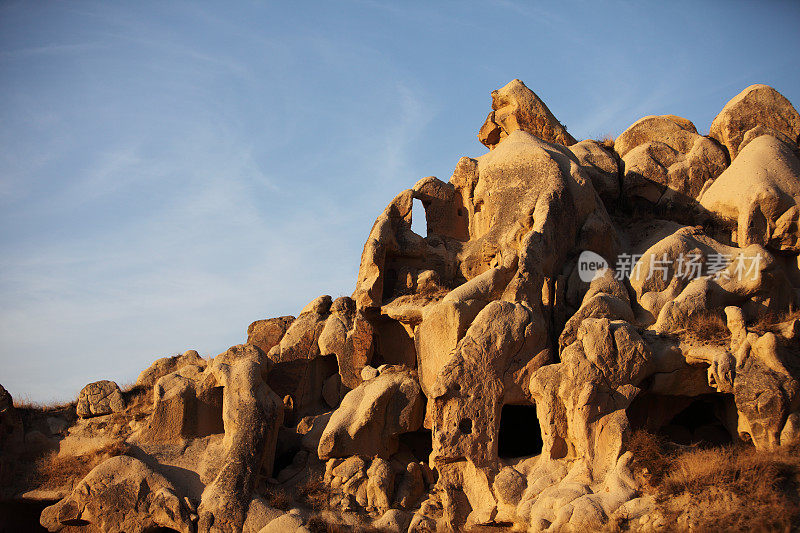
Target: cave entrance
[(700, 422), (420, 443), (394, 343), (520, 434)]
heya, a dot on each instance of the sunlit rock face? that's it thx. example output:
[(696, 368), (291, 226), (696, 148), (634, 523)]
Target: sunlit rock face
[(492, 371)]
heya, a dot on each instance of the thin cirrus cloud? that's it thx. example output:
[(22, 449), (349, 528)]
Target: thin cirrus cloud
[(171, 172), (172, 231)]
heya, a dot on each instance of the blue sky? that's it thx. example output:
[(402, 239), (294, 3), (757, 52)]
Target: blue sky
[(172, 171)]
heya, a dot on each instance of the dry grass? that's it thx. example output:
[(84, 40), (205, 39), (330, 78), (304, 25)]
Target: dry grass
[(726, 488), (25, 404), (53, 470), (769, 321), (707, 328), (711, 328), (313, 494)]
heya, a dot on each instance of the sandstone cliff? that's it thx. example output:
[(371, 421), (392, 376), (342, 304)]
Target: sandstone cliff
[(499, 371)]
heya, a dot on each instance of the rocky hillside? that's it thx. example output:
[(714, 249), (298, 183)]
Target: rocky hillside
[(591, 335)]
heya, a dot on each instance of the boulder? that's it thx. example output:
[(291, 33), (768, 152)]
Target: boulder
[(167, 365), (122, 494), (515, 107), (380, 485), (688, 274), (354, 428), (251, 415), (758, 106), (766, 388), (187, 404), (666, 161), (760, 193), (411, 486), (602, 167), (393, 521), (100, 398), (267, 333), (349, 336), (676, 132), (509, 484)]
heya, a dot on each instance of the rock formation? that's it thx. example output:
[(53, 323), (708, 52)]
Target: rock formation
[(492, 372)]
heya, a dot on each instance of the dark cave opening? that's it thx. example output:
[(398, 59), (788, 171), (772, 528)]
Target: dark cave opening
[(389, 282), (208, 413), (420, 443), (283, 460), (699, 423), (393, 344), (706, 419), (520, 434)]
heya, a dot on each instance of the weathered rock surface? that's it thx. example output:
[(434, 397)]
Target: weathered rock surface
[(100, 398), (757, 107), (760, 192), (267, 333), (687, 274), (602, 167), (666, 161), (167, 365), (121, 495), (373, 415), (515, 107)]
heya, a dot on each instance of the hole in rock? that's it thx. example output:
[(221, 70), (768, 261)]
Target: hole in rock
[(283, 458), (394, 345), (209, 413), (389, 282), (303, 380), (704, 419), (419, 442), (419, 220), (519, 435), (465, 426), (699, 423)]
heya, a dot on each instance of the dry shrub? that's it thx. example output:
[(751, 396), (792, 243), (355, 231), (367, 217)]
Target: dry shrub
[(707, 328), (651, 458), (607, 141), (316, 524), (278, 498), (312, 493), (726, 488)]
